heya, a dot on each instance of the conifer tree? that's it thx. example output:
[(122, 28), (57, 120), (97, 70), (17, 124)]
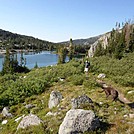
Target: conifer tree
[(71, 50), (22, 60), (36, 65), (99, 50), (62, 55), (7, 68), (131, 43)]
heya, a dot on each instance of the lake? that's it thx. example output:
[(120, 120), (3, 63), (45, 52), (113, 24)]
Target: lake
[(44, 58)]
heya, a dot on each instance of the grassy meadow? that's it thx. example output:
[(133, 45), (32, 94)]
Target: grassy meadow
[(35, 87)]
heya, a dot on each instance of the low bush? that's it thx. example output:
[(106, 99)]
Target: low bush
[(76, 79), (120, 71)]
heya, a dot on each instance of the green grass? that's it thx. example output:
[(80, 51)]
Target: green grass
[(36, 87)]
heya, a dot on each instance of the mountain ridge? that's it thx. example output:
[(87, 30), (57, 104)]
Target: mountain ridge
[(86, 41), (17, 34), (18, 41)]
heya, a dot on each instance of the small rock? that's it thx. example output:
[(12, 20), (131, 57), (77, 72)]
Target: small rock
[(115, 112), (100, 103), (62, 79), (28, 106), (129, 92), (131, 116), (4, 122), (24, 77), (17, 119), (49, 114), (125, 116), (52, 114), (5, 112), (42, 102), (29, 120), (130, 123), (101, 76)]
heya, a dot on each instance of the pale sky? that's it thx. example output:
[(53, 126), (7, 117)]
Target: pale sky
[(60, 20)]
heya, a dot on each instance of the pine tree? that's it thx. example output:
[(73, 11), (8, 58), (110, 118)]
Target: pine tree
[(14, 62), (7, 68), (22, 60), (99, 50), (130, 39), (71, 50), (62, 55), (36, 65), (10, 64)]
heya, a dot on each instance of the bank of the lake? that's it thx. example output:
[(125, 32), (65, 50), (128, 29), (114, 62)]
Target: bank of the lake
[(44, 58)]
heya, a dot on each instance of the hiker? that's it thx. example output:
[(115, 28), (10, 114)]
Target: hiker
[(87, 65)]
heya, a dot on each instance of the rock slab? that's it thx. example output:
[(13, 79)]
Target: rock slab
[(29, 120), (81, 100), (55, 98), (79, 121)]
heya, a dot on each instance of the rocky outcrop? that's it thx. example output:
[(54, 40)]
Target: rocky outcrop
[(5, 112), (92, 49), (77, 121), (81, 100), (29, 120), (55, 98), (104, 41)]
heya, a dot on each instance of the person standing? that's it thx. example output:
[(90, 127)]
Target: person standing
[(87, 65)]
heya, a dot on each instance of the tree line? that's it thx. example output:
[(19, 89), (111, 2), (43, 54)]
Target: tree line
[(121, 41), (16, 41), (11, 64)]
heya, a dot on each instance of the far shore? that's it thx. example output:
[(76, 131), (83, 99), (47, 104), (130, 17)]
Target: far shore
[(3, 51)]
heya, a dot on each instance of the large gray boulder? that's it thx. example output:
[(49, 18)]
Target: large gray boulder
[(81, 100), (55, 98), (5, 112), (29, 120), (77, 121)]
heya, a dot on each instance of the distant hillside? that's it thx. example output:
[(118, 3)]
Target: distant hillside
[(115, 43), (17, 41), (87, 41)]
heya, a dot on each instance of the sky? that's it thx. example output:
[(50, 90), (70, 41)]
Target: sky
[(60, 20)]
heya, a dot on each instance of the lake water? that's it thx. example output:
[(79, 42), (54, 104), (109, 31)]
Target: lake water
[(44, 58)]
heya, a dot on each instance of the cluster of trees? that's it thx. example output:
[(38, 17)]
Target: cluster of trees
[(71, 50), (16, 41), (64, 51), (11, 64), (121, 41)]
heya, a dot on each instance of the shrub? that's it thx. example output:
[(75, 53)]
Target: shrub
[(76, 79), (120, 71), (90, 83)]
